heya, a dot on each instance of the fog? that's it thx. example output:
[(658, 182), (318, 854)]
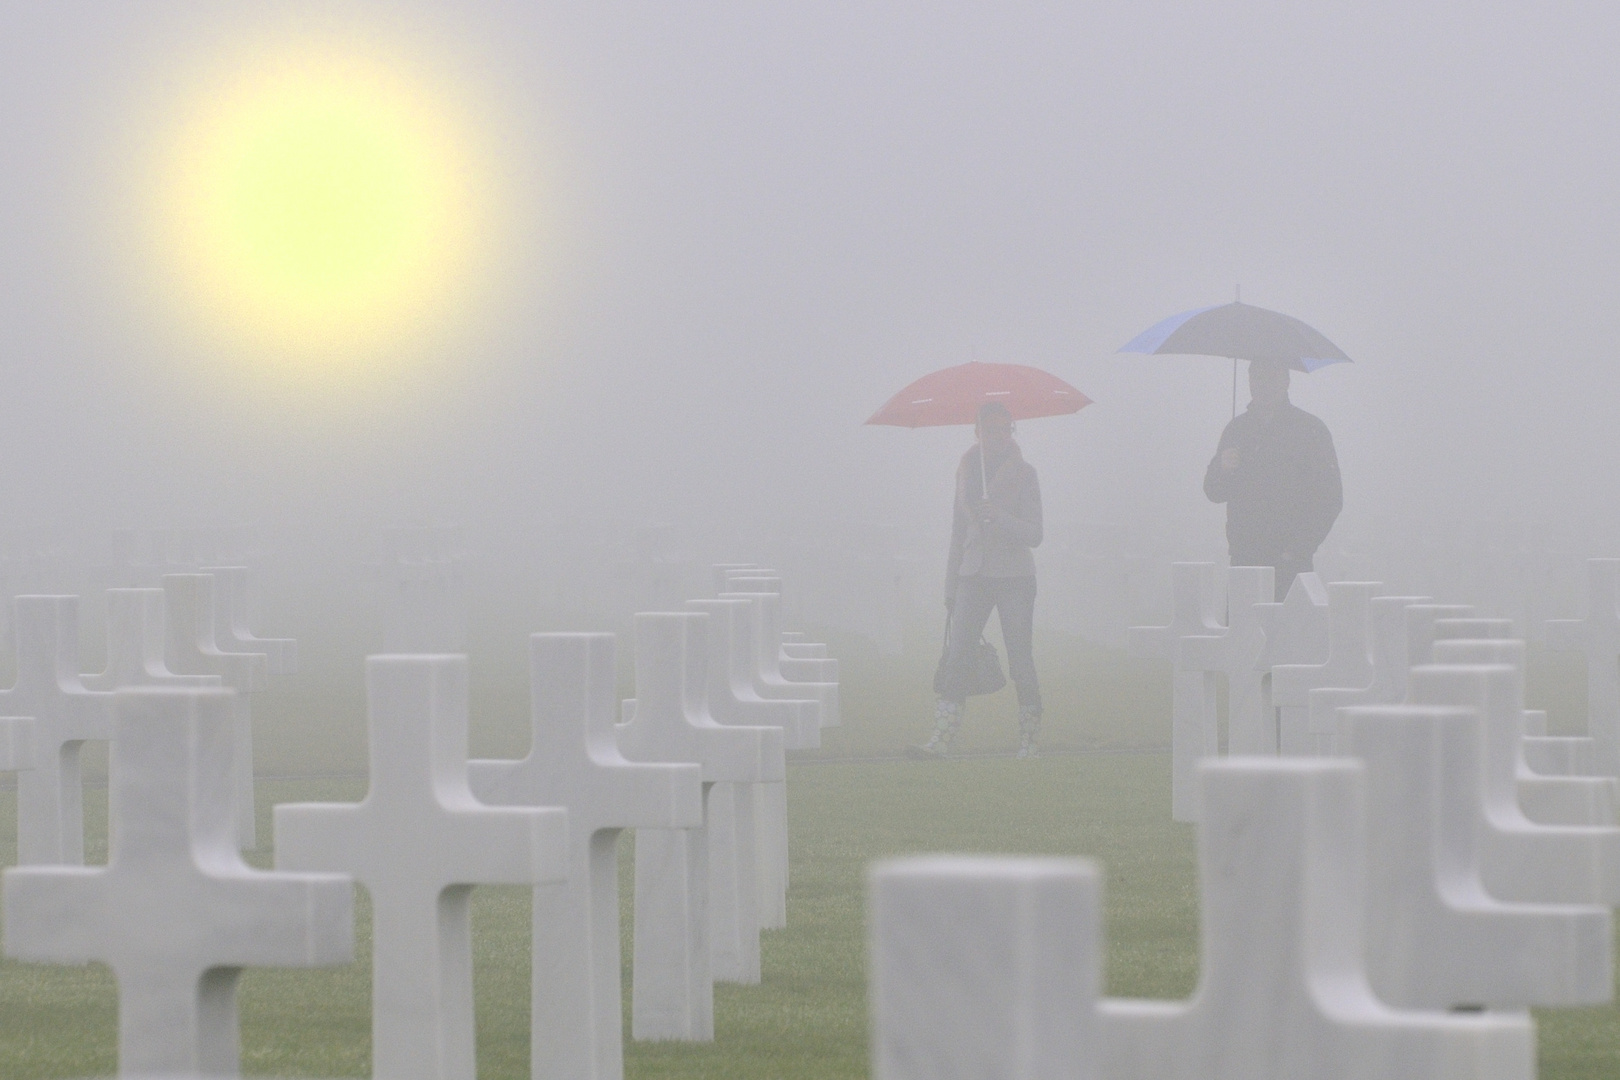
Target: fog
[(757, 223)]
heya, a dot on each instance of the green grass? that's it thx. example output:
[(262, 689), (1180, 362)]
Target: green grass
[(808, 1018)]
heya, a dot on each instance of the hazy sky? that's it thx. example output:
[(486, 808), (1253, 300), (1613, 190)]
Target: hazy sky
[(765, 219)]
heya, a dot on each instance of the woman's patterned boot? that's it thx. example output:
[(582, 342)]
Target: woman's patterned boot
[(947, 719), (1029, 725)]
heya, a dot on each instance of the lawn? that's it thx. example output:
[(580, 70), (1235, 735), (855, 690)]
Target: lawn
[(808, 1018)]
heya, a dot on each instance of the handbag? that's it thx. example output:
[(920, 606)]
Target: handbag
[(987, 673)]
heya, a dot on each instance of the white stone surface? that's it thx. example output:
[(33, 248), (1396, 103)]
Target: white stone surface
[(1193, 736), (231, 632), (734, 881), (1519, 859), (574, 761), (1282, 992), (1386, 623), (16, 743), (419, 841), (1597, 636), (135, 637), (1235, 652), (734, 699), (1349, 663), (672, 984), (984, 968), (1435, 938), (1296, 632), (190, 649), (1472, 628), (175, 912), (64, 715), (1547, 800)]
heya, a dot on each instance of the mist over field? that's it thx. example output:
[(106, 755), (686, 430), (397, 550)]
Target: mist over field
[(731, 232)]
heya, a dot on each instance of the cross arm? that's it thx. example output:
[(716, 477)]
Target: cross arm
[(55, 914)]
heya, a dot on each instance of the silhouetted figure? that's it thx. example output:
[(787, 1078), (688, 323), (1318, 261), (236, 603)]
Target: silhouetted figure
[(997, 521), (1276, 471)]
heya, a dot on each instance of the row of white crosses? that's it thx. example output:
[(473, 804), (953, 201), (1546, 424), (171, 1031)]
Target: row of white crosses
[(1388, 912), (1289, 665), (175, 636), (177, 914)]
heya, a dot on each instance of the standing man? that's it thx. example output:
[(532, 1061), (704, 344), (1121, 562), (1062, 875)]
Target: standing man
[(990, 568), (1276, 471)]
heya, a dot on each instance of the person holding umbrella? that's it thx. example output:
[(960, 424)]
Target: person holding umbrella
[(997, 521), (1277, 473)]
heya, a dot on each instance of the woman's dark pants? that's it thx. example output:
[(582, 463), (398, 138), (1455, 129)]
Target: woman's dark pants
[(1013, 600)]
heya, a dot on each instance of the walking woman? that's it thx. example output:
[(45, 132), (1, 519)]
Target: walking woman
[(991, 568)]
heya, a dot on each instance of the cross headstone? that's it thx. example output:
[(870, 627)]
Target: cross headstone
[(419, 841), (1435, 938), (794, 662), (984, 967), (734, 699), (1236, 653), (1296, 632), (1193, 736), (1546, 800), (672, 983), (190, 649), (1519, 859), (1597, 636), (175, 912), (50, 795), (135, 637), (574, 761), (1283, 993), (1348, 665), (766, 618), (1386, 624), (1420, 620), (231, 632)]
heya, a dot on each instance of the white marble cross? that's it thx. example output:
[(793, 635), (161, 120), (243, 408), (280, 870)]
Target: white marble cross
[(1348, 665), (984, 968), (1282, 992), (190, 649), (795, 662), (672, 983), (231, 632), (1193, 736), (1386, 623), (1420, 620), (419, 842), (175, 912), (1546, 800), (1435, 938), (1597, 635), (1296, 632), (135, 639), (734, 699), (1236, 653), (765, 614), (574, 761), (50, 795), (1519, 859)]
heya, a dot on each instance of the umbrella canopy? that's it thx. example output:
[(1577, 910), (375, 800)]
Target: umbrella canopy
[(953, 395), (1241, 332)]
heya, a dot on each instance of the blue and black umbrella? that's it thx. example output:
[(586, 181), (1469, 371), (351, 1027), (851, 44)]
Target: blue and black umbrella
[(1239, 331)]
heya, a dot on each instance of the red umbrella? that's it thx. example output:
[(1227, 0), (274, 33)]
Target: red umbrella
[(953, 396)]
